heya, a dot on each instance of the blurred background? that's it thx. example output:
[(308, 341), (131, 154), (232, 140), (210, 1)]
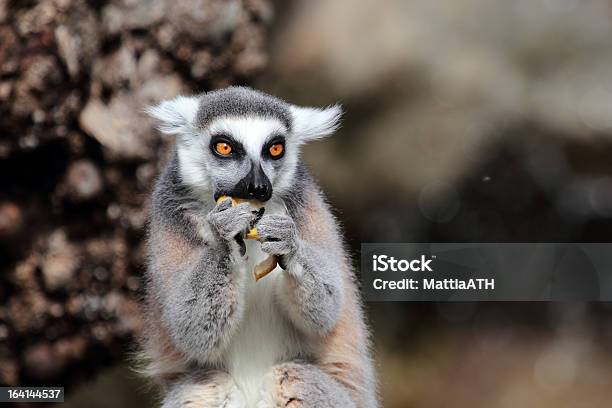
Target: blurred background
[(466, 121)]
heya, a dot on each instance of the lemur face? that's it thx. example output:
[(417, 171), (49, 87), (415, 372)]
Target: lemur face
[(240, 142), (243, 157)]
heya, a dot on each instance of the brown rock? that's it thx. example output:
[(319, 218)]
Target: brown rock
[(78, 39), (120, 16), (83, 180), (40, 75), (3, 10), (60, 261), (9, 51), (115, 127), (9, 371), (119, 68), (11, 219), (41, 361)]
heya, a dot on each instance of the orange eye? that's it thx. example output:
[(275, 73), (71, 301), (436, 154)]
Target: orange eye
[(276, 150), (223, 148)]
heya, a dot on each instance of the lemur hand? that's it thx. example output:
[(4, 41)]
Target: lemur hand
[(230, 222), (278, 236)]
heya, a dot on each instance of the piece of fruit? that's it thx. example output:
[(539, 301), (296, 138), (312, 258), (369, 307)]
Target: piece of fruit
[(235, 201), (265, 267), (252, 234)]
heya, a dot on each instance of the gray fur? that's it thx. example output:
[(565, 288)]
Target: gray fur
[(189, 304), (228, 221), (200, 307), (199, 294), (172, 199), (203, 290), (241, 101), (204, 389), (319, 288), (304, 385)]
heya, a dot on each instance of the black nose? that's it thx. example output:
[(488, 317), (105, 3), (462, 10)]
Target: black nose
[(258, 191), (255, 186)]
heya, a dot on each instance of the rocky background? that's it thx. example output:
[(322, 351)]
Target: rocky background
[(472, 120), (77, 159)]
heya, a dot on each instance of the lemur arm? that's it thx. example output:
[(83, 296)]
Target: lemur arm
[(197, 298), (198, 290), (311, 289)]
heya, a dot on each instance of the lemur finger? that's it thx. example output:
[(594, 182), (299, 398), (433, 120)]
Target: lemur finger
[(244, 212), (222, 205), (276, 247), (232, 221), (242, 207), (240, 216), (225, 211), (275, 228), (276, 219)]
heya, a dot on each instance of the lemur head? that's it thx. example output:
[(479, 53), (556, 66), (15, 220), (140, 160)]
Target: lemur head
[(241, 142)]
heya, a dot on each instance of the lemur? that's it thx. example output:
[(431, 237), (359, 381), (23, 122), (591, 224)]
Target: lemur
[(214, 337)]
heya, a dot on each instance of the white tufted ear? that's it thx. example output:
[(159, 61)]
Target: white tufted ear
[(314, 123), (176, 116)]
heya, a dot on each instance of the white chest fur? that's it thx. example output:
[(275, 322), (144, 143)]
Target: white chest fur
[(264, 336)]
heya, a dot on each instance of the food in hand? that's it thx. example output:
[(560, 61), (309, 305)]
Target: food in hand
[(267, 265)]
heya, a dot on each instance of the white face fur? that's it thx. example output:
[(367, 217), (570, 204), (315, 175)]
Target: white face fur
[(250, 138)]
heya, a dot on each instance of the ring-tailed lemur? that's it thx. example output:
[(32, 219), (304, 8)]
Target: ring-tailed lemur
[(215, 337)]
